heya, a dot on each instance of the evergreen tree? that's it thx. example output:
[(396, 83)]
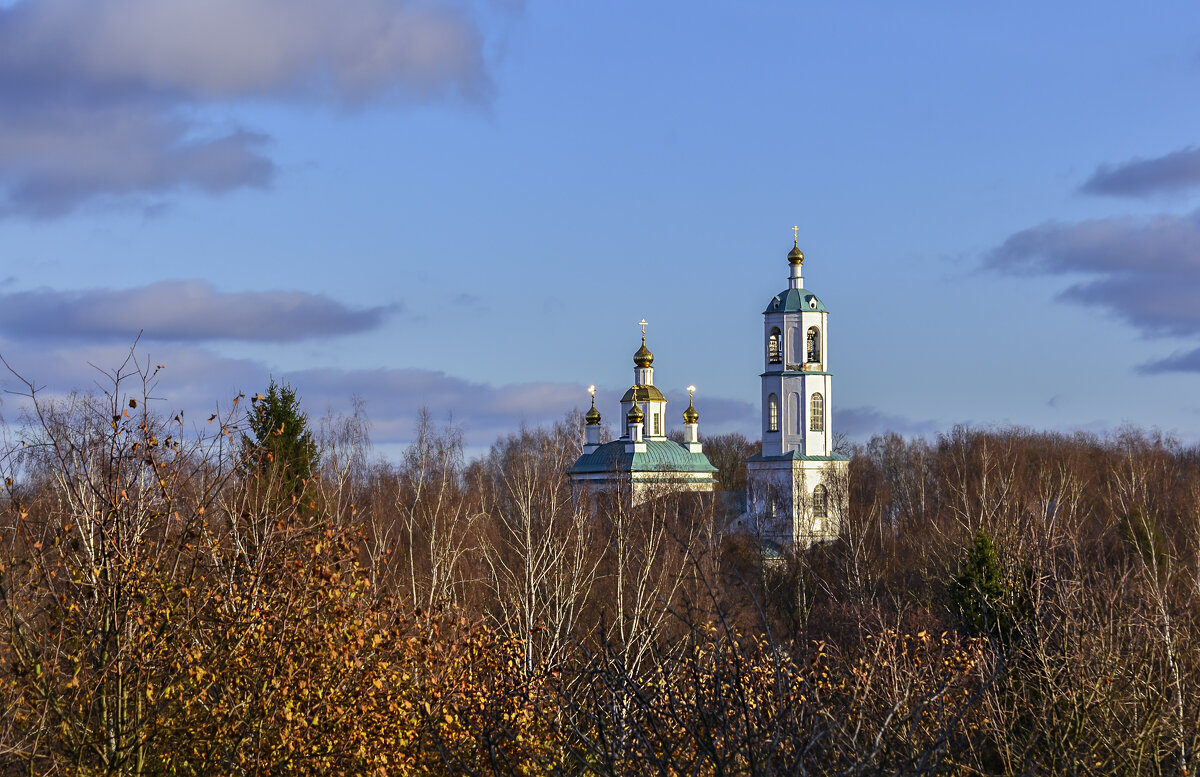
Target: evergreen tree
[(978, 593), (282, 446)]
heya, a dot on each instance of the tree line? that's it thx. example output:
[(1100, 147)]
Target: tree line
[(257, 593)]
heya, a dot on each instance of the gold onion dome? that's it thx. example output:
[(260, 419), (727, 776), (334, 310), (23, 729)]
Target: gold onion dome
[(593, 415), (643, 357), (796, 256), (690, 416), (635, 415)]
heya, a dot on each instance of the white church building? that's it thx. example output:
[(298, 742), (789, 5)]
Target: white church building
[(795, 488), (643, 460)]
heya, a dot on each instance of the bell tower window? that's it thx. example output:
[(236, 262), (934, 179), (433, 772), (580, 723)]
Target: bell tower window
[(820, 502), (816, 413), (772, 413), (813, 341), (775, 346)]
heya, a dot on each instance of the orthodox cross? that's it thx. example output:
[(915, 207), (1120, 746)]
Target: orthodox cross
[(643, 324), (796, 235)]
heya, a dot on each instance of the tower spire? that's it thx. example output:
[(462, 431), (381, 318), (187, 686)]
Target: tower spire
[(796, 261)]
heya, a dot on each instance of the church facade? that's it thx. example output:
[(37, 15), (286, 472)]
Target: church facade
[(643, 460), (796, 486)]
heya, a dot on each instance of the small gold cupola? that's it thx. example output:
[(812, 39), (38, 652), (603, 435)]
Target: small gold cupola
[(796, 262), (635, 414), (796, 256), (691, 420), (690, 416), (643, 357), (592, 430)]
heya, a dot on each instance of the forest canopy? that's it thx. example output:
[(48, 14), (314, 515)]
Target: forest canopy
[(257, 593)]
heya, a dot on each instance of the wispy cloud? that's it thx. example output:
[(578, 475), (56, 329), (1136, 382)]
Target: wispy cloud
[(181, 311), (106, 97), (1170, 173), (860, 423)]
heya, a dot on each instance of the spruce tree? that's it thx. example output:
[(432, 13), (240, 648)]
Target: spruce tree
[(282, 448), (978, 593)]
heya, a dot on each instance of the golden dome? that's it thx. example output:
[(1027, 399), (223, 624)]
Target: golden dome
[(635, 414), (593, 415), (796, 256), (690, 416), (643, 357)]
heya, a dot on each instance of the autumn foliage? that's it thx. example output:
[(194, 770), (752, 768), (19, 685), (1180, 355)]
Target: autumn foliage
[(998, 602)]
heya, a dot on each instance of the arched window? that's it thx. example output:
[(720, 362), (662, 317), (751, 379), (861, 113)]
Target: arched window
[(775, 346), (772, 413), (814, 344), (816, 413), (820, 502), (657, 425)]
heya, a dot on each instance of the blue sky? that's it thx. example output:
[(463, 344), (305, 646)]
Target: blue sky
[(469, 206)]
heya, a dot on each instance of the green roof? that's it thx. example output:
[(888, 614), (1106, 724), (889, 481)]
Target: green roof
[(660, 456), (795, 301)]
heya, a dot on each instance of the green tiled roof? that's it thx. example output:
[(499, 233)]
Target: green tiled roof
[(660, 456), (794, 301)]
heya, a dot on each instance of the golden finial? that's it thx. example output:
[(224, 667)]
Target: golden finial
[(593, 415), (690, 416), (795, 256), (643, 325)]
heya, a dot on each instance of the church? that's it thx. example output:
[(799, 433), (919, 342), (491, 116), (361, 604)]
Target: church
[(796, 484), (643, 460)]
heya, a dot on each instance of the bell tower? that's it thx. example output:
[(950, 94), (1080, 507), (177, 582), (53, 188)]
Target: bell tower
[(791, 483)]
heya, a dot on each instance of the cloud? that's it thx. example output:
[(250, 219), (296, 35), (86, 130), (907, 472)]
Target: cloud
[(339, 50), (181, 311), (198, 381), (717, 414), (1180, 361), (860, 423), (107, 97), (52, 161), (1168, 174), (1145, 271)]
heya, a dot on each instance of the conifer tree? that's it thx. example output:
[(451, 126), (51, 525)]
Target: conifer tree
[(282, 446), (978, 593)]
